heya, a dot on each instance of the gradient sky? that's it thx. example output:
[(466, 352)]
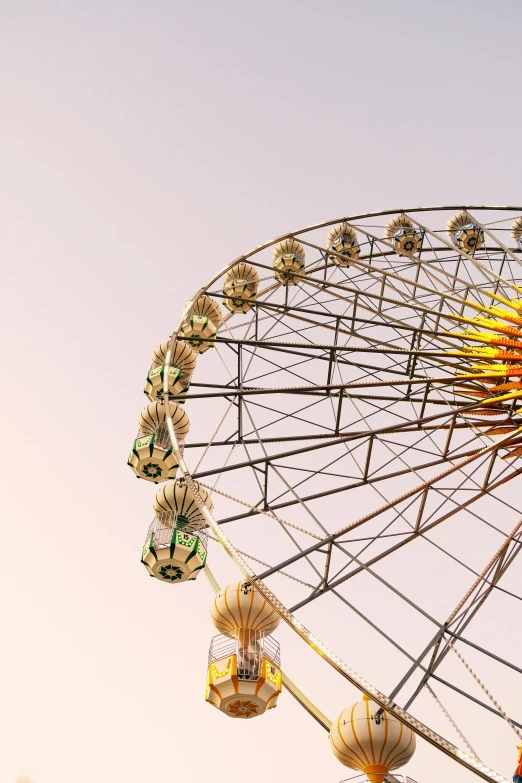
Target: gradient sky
[(145, 145)]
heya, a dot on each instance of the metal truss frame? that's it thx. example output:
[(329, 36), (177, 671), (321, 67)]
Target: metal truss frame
[(388, 323)]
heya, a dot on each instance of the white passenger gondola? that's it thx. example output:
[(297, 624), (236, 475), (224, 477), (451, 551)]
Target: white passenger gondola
[(244, 671), (181, 367), (406, 240), (240, 287), (516, 232), (201, 324), (368, 739), (288, 258), (342, 240), (464, 232), (175, 549), (152, 456)]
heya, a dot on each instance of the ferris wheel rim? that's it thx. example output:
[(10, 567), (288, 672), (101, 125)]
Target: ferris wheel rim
[(340, 666), (362, 216), (350, 219)]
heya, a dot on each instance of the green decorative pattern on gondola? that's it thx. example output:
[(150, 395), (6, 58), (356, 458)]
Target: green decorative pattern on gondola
[(141, 442), (152, 470), (171, 573), (186, 540), (174, 372), (196, 572), (156, 381), (149, 547)]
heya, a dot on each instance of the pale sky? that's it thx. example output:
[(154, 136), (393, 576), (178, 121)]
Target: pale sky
[(144, 146)]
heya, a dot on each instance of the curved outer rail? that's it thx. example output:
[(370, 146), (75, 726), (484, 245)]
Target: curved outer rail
[(469, 762)]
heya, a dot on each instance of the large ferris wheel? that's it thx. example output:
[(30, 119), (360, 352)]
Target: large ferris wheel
[(352, 392)]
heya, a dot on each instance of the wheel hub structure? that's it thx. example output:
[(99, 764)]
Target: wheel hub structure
[(357, 424)]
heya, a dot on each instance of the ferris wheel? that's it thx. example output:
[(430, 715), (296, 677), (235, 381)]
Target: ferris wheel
[(353, 396)]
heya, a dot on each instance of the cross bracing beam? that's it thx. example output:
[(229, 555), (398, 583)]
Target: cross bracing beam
[(444, 381), (346, 487), (330, 435), (388, 319), (343, 439), (422, 668), (415, 307), (484, 588), (371, 515), (341, 349), (323, 392)]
